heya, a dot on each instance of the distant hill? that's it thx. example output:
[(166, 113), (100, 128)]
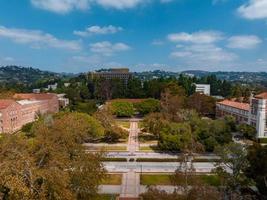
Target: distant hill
[(25, 75), (247, 77)]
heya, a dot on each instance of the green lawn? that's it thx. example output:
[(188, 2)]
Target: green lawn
[(106, 197), (125, 124), (109, 148), (112, 179), (166, 179), (148, 148)]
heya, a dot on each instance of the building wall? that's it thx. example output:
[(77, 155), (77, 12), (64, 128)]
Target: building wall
[(203, 88), (255, 116), (13, 117)]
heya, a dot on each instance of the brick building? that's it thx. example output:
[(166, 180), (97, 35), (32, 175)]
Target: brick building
[(24, 108), (253, 113)]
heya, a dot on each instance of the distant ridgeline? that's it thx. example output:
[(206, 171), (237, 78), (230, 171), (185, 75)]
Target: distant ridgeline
[(24, 75), (246, 77), (30, 76)]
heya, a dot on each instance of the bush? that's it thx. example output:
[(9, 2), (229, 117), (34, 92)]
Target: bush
[(248, 131), (27, 128), (148, 106), (122, 109)]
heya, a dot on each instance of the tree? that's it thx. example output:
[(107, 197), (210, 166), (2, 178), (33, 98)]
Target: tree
[(172, 99), (204, 105), (175, 137), (247, 131), (154, 122), (122, 109), (148, 106), (257, 170), (52, 165), (233, 162)]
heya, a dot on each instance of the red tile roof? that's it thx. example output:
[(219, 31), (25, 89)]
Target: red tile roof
[(234, 104), (4, 103), (31, 96), (262, 95)]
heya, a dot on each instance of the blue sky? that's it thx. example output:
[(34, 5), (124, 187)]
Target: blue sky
[(175, 35)]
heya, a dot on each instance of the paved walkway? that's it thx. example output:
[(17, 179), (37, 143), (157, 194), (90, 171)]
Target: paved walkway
[(133, 144), (131, 180)]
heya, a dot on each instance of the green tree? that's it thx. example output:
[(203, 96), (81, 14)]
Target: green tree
[(122, 109), (257, 170), (204, 105), (230, 168), (247, 131), (52, 165), (172, 99), (148, 106)]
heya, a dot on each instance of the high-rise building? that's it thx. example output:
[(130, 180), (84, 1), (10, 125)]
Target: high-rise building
[(114, 73)]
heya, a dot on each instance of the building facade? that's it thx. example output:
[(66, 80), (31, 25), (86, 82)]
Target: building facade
[(253, 113), (25, 108), (116, 73), (203, 89)]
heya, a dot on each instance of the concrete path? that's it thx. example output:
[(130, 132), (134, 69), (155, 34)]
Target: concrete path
[(133, 144), (131, 180), (130, 184), (154, 167)]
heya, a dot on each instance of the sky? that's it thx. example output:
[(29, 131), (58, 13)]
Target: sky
[(172, 35)]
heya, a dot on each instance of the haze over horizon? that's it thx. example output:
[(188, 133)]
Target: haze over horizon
[(171, 35)]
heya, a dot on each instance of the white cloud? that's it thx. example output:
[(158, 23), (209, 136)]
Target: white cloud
[(203, 54), (37, 39), (254, 9), (201, 37), (243, 42), (107, 48), (61, 6), (157, 42), (97, 30), (66, 6), (119, 4)]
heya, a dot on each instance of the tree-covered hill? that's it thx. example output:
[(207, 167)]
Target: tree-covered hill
[(25, 75)]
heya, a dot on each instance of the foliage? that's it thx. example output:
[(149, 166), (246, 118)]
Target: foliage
[(148, 106), (204, 105), (247, 131), (257, 157), (231, 166), (52, 165), (112, 131), (27, 128), (122, 109), (88, 107), (174, 136), (172, 99)]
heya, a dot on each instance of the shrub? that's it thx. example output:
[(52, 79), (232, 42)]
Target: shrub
[(122, 109)]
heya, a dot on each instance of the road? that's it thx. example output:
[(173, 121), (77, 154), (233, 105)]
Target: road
[(155, 155), (154, 167)]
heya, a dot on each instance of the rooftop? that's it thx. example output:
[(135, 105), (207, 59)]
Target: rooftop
[(234, 104), (33, 96), (27, 102), (4, 103), (262, 95)]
